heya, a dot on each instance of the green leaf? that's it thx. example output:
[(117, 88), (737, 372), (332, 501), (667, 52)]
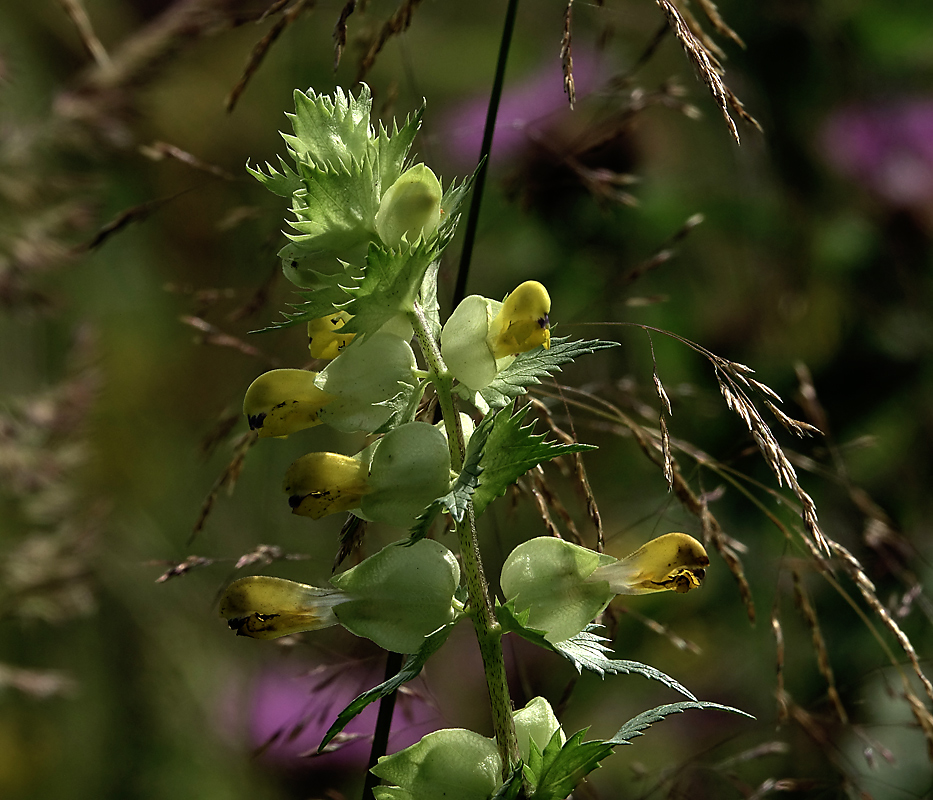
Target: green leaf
[(410, 670), (331, 130), (392, 148), (389, 286), (336, 209), (587, 651), (284, 183), (516, 622), (563, 769), (512, 786), (510, 451), (584, 651), (318, 303), (453, 198), (528, 368), (636, 725)]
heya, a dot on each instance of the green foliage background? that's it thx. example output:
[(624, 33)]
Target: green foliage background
[(129, 284)]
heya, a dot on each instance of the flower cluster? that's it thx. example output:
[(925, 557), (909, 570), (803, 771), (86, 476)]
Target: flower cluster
[(368, 232)]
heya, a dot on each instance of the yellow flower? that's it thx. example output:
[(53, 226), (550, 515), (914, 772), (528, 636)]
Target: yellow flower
[(323, 340), (266, 608), (522, 323), (672, 562), (282, 401), (319, 484)]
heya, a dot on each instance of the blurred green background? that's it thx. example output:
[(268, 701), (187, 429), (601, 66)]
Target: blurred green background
[(136, 256)]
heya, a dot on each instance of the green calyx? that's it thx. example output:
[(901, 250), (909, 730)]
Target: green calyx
[(459, 764), (400, 595), (549, 578)]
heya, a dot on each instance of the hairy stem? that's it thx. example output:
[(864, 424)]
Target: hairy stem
[(488, 630)]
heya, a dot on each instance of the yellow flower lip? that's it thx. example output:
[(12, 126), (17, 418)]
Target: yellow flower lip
[(283, 401), (673, 562), (522, 323)]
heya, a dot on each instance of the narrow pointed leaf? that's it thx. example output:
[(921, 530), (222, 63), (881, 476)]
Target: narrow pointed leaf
[(510, 451), (410, 670), (528, 368), (636, 725)]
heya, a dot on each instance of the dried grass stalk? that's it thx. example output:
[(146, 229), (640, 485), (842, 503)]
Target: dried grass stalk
[(708, 68), (261, 48), (398, 23), (340, 31), (583, 482), (226, 480), (566, 54), (819, 645)]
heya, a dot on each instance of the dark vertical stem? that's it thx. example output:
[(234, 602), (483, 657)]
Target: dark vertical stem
[(383, 725), (473, 217)]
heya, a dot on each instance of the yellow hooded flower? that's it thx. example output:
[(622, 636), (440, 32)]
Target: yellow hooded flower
[(324, 341), (267, 608), (282, 401), (673, 562), (319, 484), (522, 323)]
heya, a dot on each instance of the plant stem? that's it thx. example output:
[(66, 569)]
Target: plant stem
[(383, 725), (488, 630), (492, 112)]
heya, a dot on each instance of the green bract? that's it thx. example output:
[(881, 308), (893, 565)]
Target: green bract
[(400, 595), (548, 577), (342, 166)]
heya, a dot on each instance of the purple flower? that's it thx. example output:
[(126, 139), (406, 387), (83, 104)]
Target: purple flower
[(525, 111), (283, 714), (887, 146)]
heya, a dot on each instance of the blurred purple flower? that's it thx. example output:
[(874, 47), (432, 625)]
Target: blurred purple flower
[(283, 715), (887, 146), (525, 111)]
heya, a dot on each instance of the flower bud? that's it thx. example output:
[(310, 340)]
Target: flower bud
[(283, 401), (266, 608), (548, 577), (411, 207), (522, 323), (323, 339), (672, 562), (400, 595), (319, 484), (536, 723), (453, 763)]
